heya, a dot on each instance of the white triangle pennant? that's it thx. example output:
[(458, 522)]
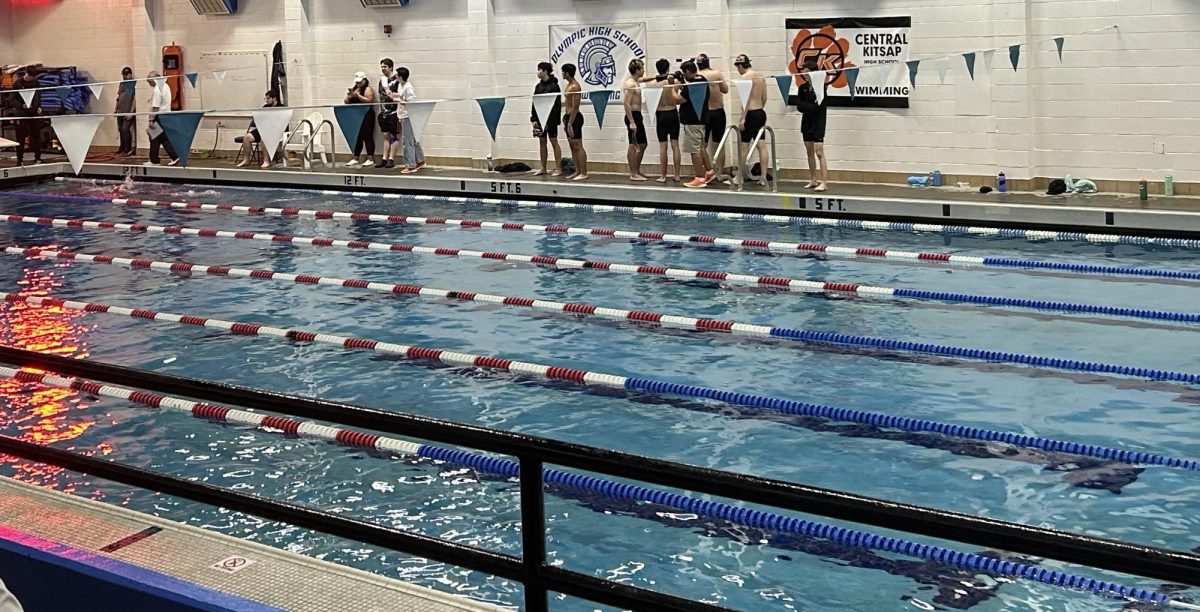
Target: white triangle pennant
[(987, 58), (27, 96), (818, 83), (160, 83), (219, 76), (650, 98), (744, 87), (97, 89), (943, 64), (75, 133), (271, 124), (543, 105), (418, 116)]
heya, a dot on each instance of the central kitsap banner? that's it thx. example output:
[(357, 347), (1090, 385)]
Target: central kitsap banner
[(849, 42), (601, 52)]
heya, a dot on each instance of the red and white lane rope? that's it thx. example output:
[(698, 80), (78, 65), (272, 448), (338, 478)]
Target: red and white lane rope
[(295, 427), (1031, 235), (677, 321), (613, 381), (561, 262), (620, 268), (741, 243)]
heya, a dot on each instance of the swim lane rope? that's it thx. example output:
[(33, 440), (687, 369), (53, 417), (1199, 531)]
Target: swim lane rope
[(854, 224), (699, 240), (613, 381), (510, 469), (676, 321), (635, 269)]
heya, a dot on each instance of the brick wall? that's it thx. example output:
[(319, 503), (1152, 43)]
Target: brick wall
[(1124, 104)]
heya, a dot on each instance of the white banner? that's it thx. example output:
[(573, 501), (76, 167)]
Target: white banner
[(848, 42), (601, 52)]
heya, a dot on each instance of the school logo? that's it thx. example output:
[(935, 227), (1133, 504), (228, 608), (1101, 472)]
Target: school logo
[(596, 63), (829, 51), (599, 52)]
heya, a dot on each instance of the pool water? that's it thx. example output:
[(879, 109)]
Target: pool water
[(639, 544)]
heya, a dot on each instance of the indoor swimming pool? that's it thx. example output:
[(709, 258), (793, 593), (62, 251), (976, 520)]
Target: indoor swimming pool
[(724, 341)]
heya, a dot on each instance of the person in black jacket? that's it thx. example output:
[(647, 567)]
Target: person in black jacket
[(30, 129), (812, 127), (547, 84)]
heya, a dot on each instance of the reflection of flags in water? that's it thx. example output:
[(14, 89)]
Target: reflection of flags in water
[(34, 412)]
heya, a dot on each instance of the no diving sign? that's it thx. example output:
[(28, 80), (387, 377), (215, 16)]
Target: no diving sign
[(232, 565)]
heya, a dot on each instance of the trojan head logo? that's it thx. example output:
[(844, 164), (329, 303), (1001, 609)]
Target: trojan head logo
[(829, 51), (596, 63)]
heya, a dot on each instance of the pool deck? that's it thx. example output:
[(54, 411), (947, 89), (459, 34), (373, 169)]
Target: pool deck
[(1101, 213), (211, 561)]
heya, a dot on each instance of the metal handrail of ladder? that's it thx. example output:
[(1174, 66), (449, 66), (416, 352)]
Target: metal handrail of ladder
[(773, 176), (721, 147), (314, 134)]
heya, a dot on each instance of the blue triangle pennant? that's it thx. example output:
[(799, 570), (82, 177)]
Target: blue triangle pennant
[(600, 99), (913, 66), (785, 86), (192, 77), (63, 93), (1058, 43), (492, 108), (969, 58), (852, 80), (1014, 55), (180, 128), (696, 93), (349, 119)]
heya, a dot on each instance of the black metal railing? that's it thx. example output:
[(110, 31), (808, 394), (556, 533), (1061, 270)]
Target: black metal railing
[(533, 453)]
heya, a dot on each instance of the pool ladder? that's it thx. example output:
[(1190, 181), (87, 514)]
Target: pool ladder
[(314, 136), (739, 166)]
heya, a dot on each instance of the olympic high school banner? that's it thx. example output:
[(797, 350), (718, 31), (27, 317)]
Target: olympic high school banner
[(850, 42), (601, 52)]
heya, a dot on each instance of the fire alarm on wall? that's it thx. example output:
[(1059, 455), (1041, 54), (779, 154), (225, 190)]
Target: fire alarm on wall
[(387, 29)]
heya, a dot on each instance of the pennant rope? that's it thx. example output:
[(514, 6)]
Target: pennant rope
[(784, 80)]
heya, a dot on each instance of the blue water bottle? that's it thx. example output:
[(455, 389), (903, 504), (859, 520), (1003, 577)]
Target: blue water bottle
[(1001, 183)]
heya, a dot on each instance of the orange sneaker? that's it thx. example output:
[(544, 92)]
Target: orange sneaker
[(696, 182)]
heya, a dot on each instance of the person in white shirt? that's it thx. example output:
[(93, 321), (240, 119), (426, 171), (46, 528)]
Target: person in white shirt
[(160, 101), (414, 155)]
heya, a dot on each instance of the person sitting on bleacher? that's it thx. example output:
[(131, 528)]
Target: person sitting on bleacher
[(251, 137)]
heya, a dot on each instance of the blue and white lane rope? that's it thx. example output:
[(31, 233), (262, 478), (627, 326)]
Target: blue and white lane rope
[(619, 314), (613, 381), (854, 224), (702, 241), (510, 469), (792, 284)]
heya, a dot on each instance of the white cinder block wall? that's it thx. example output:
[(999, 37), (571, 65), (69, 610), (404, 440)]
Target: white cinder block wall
[(1124, 104)]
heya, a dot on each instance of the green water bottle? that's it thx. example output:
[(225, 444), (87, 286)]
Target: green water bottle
[(1143, 190), (1169, 185)]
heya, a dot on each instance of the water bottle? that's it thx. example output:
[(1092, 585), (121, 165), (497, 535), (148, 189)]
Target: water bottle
[(929, 180), (1001, 183), (937, 178), (490, 166), (1169, 185), (1143, 191)]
